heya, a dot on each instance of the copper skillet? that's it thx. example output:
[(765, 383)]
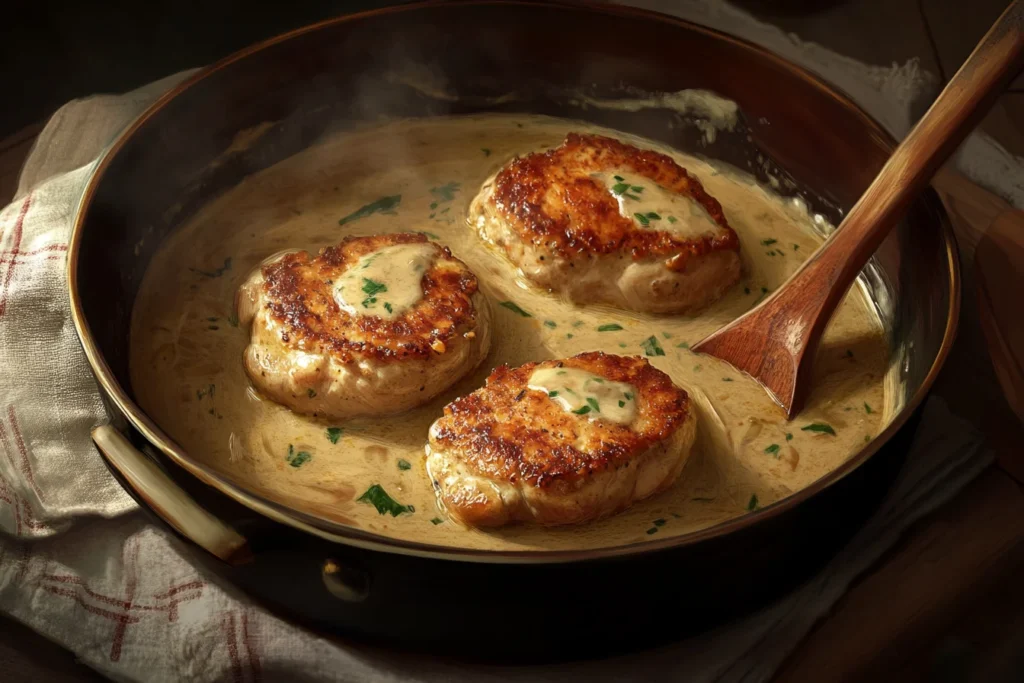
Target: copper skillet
[(332, 75)]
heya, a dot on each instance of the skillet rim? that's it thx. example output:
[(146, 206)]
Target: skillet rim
[(156, 437)]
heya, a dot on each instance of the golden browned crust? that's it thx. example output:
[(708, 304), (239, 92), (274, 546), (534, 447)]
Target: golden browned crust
[(298, 295), (510, 432), (550, 199)]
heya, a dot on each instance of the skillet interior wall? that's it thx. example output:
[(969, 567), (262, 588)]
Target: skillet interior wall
[(337, 76)]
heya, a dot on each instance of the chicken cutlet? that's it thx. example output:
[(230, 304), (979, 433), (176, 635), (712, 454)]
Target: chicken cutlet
[(375, 325), (560, 441), (599, 221)]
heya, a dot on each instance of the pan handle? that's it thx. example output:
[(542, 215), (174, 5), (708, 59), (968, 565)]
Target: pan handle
[(168, 500)]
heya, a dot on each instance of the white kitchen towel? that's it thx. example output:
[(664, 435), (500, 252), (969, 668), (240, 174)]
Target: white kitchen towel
[(79, 564)]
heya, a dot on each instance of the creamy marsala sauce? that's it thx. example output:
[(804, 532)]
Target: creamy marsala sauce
[(186, 362)]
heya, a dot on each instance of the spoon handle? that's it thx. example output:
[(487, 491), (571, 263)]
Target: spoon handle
[(965, 100), (776, 342)]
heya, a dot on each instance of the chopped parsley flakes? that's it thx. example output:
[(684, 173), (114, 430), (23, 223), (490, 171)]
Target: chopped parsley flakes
[(651, 347), (334, 433), (610, 327), (819, 427), (384, 205), (445, 193), (297, 458), (773, 450), (511, 305), (752, 503), (385, 504), (404, 464)]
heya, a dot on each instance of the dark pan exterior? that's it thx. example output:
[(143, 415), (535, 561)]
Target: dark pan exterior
[(334, 75)]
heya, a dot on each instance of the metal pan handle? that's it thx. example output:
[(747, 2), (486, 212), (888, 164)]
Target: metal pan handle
[(168, 500)]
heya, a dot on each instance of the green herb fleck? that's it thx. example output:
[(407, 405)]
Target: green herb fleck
[(209, 391), (385, 504), (510, 305), (387, 307), (214, 273), (445, 210), (696, 368), (867, 438), (433, 205), (628, 395), (666, 335), (310, 393), (796, 247), (619, 188), (233, 320), (867, 408), (334, 433), (486, 151), (768, 242), (552, 394), (683, 345), (404, 464), (726, 379), (578, 323), (568, 335), (652, 530), (622, 345), (632, 196), (651, 347), (752, 504), (789, 437), (637, 188), (746, 290), (384, 205), (642, 219), (212, 319), (653, 216), (673, 219), (436, 520), (445, 193), (773, 450), (297, 458), (659, 522), (592, 402), (582, 410), (550, 323), (622, 404), (619, 178), (610, 327), (371, 287), (819, 427)]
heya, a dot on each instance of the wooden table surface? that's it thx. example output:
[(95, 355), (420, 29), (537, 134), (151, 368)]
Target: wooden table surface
[(945, 604)]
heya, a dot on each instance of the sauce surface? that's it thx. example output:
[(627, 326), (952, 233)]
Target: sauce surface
[(186, 350), (386, 283), (584, 393), (653, 207)]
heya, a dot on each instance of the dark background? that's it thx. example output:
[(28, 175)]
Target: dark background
[(56, 50)]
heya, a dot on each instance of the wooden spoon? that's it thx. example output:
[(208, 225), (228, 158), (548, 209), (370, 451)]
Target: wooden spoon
[(776, 342)]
